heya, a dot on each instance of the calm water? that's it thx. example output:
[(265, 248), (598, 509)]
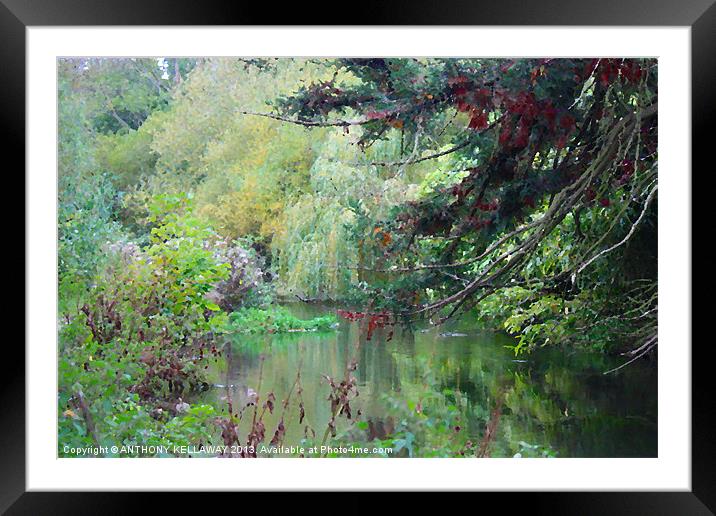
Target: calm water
[(559, 401)]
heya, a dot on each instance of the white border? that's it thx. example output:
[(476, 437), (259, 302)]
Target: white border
[(670, 471)]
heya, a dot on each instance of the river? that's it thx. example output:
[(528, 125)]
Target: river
[(551, 402)]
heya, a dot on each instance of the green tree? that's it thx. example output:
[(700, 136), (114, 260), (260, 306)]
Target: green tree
[(535, 144)]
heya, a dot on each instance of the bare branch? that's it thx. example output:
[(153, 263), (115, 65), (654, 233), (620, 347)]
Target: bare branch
[(311, 123), (651, 343), (455, 148)]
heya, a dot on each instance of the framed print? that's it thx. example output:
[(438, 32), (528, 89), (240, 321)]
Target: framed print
[(420, 252)]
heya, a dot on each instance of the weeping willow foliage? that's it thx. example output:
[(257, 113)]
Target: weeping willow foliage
[(311, 197), (311, 247), (292, 189), (320, 251)]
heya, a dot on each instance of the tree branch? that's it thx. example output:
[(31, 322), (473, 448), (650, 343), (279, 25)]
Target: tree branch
[(435, 155), (311, 123), (627, 237)]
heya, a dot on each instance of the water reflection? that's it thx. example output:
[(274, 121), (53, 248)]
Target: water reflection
[(550, 400)]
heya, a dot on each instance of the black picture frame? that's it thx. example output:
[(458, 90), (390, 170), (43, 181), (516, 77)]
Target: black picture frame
[(700, 15)]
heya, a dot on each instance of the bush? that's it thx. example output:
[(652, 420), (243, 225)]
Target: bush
[(143, 335), (248, 283), (276, 319)]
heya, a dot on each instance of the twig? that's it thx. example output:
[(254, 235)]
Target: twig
[(637, 357), (627, 237), (435, 155)]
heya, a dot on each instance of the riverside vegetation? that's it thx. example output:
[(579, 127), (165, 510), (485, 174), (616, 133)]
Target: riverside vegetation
[(357, 257)]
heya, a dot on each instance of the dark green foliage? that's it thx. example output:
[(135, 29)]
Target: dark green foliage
[(544, 141)]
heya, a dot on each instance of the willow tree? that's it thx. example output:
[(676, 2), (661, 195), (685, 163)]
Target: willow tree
[(552, 194)]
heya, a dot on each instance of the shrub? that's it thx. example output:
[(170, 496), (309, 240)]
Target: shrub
[(276, 319), (145, 331), (248, 282)]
